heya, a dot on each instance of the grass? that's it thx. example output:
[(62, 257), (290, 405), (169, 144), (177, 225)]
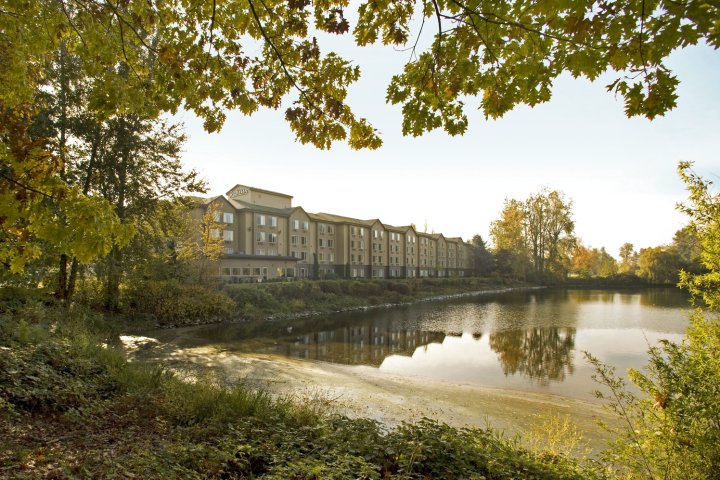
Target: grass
[(169, 303), (72, 407)]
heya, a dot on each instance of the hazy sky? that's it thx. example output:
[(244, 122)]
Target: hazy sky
[(620, 173)]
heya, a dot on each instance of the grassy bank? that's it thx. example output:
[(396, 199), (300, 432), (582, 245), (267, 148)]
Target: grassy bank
[(72, 407), (169, 303)]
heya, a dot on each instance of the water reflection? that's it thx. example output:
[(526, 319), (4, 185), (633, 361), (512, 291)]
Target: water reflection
[(522, 340), (540, 353), (357, 345)]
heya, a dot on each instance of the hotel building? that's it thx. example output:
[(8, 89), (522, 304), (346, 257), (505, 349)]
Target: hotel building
[(265, 237)]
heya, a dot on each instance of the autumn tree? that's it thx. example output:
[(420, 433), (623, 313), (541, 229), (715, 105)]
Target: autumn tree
[(628, 258), (588, 262), (202, 244), (146, 59), (548, 229), (510, 246), (535, 235)]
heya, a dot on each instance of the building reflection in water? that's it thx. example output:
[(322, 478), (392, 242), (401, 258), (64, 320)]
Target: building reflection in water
[(540, 353), (355, 345)]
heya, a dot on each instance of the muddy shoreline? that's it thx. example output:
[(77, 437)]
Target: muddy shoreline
[(364, 391)]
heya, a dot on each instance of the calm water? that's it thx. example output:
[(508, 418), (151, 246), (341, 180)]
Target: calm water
[(525, 340)]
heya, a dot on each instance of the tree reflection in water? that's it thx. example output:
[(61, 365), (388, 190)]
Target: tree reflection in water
[(540, 353)]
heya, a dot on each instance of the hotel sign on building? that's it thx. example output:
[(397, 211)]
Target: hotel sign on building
[(266, 237)]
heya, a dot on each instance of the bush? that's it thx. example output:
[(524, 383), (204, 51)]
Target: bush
[(169, 302)]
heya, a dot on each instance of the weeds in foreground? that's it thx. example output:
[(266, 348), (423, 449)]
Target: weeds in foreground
[(71, 406)]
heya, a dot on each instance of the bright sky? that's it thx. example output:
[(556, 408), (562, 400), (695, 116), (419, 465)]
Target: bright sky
[(620, 173)]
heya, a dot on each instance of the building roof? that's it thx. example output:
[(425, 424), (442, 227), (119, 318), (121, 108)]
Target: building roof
[(329, 217), (202, 201), (260, 190), (240, 205)]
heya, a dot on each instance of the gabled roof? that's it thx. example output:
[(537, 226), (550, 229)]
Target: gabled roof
[(260, 190), (393, 228), (329, 217), (376, 220), (240, 205), (408, 227), (202, 202)]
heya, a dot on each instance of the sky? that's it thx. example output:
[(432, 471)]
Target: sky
[(620, 173)]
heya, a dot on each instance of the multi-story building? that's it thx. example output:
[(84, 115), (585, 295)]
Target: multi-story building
[(265, 237)]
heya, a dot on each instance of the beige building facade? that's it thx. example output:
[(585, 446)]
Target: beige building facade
[(265, 238)]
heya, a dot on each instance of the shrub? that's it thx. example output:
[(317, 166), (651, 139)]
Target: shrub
[(169, 302)]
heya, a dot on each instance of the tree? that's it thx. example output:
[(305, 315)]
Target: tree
[(687, 246), (659, 265), (592, 262), (535, 234), (484, 262), (548, 229), (628, 259), (148, 58), (206, 252), (509, 243), (673, 429)]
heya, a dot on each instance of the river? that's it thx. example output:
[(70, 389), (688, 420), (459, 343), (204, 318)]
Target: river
[(497, 359)]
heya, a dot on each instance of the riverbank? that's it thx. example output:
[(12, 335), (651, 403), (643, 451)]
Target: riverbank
[(72, 406), (360, 391), (168, 304)]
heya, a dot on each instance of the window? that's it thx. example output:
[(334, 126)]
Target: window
[(272, 237), (228, 250), (321, 242), (294, 240), (305, 225), (303, 240), (272, 252), (259, 251), (296, 224), (236, 272), (256, 271), (360, 258), (330, 230), (215, 233), (352, 257), (273, 222), (303, 255), (228, 235), (331, 243), (290, 272), (352, 243), (362, 244), (217, 217), (331, 257), (227, 218), (362, 232), (246, 271), (320, 257), (260, 236), (321, 228), (353, 231), (260, 220), (224, 271)]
